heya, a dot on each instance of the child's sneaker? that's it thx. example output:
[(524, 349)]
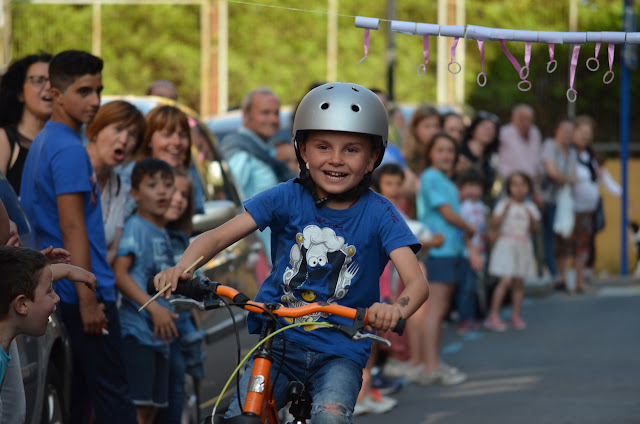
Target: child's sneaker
[(518, 323), (467, 327), (494, 323), (397, 369), (374, 403), (445, 375)]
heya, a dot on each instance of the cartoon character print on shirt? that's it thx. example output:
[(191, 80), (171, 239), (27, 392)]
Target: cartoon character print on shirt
[(321, 269)]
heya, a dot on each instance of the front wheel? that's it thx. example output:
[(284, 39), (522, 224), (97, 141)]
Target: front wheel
[(53, 408)]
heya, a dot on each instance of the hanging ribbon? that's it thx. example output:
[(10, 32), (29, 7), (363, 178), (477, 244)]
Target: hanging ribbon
[(366, 45), (482, 76), (454, 46), (552, 64), (609, 75), (524, 72), (595, 67), (523, 85), (572, 94), (422, 68)]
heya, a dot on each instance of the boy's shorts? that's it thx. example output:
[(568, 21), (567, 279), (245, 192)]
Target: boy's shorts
[(147, 373)]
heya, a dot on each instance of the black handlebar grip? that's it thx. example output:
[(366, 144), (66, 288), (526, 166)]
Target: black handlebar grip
[(195, 288), (402, 323)]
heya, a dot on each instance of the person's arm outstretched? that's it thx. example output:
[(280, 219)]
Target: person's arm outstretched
[(206, 245), (384, 317), (75, 274)]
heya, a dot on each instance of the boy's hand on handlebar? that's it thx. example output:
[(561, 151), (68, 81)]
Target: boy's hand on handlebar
[(163, 324), (383, 317), (171, 276)]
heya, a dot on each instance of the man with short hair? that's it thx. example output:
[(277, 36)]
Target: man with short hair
[(520, 146), (250, 156), (163, 88)]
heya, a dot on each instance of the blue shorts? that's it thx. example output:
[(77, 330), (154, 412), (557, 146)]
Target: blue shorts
[(147, 373), (446, 269)]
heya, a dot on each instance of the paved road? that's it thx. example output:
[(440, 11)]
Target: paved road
[(578, 362)]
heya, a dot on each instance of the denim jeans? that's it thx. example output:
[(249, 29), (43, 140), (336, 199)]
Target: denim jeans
[(177, 371), (548, 215), (98, 370), (332, 381), (466, 293)]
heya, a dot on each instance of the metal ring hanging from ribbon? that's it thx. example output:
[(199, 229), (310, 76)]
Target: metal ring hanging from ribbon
[(552, 64), (572, 94), (422, 68), (452, 62), (595, 67), (609, 75), (481, 79), (523, 85)]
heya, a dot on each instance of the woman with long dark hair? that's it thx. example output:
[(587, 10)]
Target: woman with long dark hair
[(25, 106)]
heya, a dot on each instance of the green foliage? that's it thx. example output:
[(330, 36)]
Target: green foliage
[(286, 50)]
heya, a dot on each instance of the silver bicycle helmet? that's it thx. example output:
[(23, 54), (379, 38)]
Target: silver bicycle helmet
[(345, 107)]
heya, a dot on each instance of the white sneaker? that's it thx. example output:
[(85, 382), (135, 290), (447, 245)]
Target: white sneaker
[(370, 405), (445, 375), (396, 369)]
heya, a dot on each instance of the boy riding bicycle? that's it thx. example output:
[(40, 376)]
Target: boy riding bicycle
[(331, 239)]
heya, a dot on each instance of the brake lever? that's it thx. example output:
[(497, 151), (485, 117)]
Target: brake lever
[(205, 305), (361, 336)]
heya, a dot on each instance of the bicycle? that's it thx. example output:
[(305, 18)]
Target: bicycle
[(260, 404)]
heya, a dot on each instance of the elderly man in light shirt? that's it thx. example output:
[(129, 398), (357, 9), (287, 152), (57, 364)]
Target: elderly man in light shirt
[(250, 157), (520, 145)]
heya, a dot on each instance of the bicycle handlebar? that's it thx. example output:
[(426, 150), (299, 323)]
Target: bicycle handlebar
[(200, 288)]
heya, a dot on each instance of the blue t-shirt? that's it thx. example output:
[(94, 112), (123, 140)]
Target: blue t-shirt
[(4, 363), (436, 189), (58, 164), (326, 255), (152, 253)]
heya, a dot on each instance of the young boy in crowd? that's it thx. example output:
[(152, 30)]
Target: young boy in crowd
[(388, 180), (145, 250), (27, 294), (61, 198), (471, 185), (331, 239)]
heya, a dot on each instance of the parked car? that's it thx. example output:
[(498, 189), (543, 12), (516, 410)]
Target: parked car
[(227, 123), (46, 364)]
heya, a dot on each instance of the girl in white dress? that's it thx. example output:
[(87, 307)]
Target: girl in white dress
[(512, 258)]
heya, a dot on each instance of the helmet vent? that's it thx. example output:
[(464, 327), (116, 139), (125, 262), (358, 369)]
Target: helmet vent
[(355, 89), (330, 87), (324, 106), (355, 108)]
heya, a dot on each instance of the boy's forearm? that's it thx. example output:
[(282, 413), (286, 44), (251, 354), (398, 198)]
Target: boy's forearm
[(412, 297)]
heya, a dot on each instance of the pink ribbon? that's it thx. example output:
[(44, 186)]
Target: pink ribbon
[(366, 45), (595, 67), (454, 46), (552, 64), (611, 48), (422, 68), (523, 85), (482, 76), (572, 74)]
